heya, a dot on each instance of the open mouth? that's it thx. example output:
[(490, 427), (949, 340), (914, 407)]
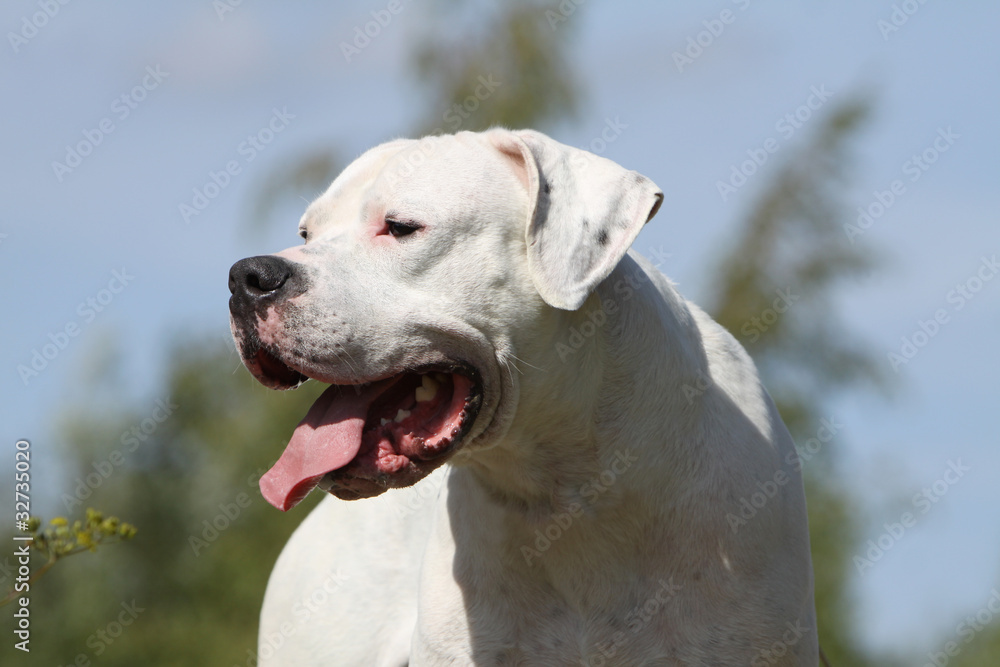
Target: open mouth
[(279, 375), (357, 441)]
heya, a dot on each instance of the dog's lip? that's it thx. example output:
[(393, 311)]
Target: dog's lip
[(342, 443), (274, 372)]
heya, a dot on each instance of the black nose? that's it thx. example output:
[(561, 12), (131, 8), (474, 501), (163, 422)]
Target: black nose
[(262, 276)]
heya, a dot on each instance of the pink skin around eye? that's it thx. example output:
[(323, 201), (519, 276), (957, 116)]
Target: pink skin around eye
[(377, 223)]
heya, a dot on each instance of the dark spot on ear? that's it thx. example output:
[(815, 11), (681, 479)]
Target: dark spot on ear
[(602, 237), (586, 224), (546, 188)]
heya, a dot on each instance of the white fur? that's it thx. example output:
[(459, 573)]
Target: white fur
[(617, 418)]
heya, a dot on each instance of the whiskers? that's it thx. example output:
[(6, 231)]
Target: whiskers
[(510, 362)]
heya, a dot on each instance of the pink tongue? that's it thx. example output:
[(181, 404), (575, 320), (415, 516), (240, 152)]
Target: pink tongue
[(328, 438)]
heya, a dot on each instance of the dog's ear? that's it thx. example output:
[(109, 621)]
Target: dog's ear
[(586, 211)]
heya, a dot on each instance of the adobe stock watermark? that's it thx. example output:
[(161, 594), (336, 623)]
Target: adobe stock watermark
[(270, 642), (704, 39), (636, 620), (87, 311), (102, 638), (658, 256), (121, 108), (752, 329), (913, 168), (756, 326), (922, 502), (966, 631), (213, 527), (597, 317), (130, 441), (248, 150), (786, 127), (958, 297), (223, 7), (790, 637), (796, 460), (31, 24), (363, 35), (420, 496), (592, 490), (900, 16), (454, 117), (459, 112), (565, 9), (609, 134)]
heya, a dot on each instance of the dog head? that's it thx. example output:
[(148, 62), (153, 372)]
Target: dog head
[(427, 266)]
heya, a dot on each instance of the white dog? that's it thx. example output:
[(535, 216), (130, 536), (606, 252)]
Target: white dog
[(471, 299)]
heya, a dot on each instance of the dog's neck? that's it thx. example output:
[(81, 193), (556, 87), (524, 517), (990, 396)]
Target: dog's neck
[(632, 349)]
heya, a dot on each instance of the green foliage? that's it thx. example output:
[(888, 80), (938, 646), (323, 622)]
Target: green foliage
[(981, 649), (201, 585), (792, 248), (208, 541), (199, 567), (61, 540), (516, 46), (306, 177), (792, 244), (508, 66)]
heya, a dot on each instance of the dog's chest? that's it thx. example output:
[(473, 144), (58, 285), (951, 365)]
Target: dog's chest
[(515, 626)]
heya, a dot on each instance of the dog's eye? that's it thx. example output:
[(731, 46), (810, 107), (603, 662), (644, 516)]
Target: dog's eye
[(398, 228), (304, 233)]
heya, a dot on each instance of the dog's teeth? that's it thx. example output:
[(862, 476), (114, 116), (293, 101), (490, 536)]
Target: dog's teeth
[(401, 415), (383, 421), (427, 390)]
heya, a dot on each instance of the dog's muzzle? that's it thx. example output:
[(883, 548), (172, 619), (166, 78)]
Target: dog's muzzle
[(262, 287)]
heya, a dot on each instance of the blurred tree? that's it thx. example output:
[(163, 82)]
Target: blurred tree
[(511, 70), (979, 645), (306, 177), (187, 591), (791, 250), (505, 64), (187, 588), (62, 539)]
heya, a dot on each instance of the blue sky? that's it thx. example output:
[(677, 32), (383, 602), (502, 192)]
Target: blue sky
[(219, 80)]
